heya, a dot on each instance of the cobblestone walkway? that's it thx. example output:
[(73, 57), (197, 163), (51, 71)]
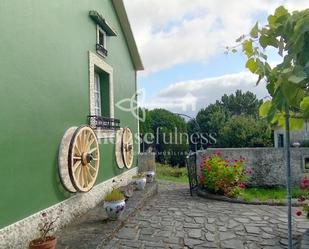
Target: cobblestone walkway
[(174, 219)]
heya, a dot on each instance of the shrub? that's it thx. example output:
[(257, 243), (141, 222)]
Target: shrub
[(227, 177), (304, 185), (115, 195)]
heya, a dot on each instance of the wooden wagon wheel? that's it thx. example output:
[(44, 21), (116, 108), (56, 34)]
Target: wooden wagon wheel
[(118, 148), (127, 147), (63, 168), (84, 158)]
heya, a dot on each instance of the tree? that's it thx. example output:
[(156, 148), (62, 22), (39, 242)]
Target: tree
[(166, 129), (214, 117), (288, 81), (245, 131), (241, 103)]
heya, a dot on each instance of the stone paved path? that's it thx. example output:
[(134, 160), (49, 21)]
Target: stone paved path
[(174, 219)]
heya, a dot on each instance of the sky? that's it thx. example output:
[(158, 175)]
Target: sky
[(182, 45)]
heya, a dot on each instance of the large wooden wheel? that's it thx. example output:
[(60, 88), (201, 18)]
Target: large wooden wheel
[(83, 159), (127, 147), (118, 148)]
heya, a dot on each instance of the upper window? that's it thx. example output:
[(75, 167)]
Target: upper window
[(101, 41)]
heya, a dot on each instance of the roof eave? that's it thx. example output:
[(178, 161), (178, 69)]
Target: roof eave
[(126, 27)]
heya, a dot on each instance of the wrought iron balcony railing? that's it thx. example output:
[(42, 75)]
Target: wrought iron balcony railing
[(98, 122), (101, 49)]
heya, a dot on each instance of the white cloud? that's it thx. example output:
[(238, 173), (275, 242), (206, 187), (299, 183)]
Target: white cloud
[(190, 96), (169, 32)]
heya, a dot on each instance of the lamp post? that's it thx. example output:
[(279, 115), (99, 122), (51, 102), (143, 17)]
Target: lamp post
[(288, 173), (195, 123)]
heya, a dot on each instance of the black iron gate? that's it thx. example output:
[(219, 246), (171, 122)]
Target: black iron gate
[(191, 168)]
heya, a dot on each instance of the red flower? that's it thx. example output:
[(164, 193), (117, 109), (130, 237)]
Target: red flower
[(202, 179), (218, 153), (301, 199), (299, 213), (242, 185), (304, 184)]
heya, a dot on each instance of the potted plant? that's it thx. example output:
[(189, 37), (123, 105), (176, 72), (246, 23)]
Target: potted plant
[(140, 181), (114, 204), (47, 239), (150, 174)]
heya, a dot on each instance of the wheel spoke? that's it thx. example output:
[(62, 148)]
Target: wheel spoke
[(92, 167), (77, 158), (78, 150), (86, 139), (85, 177), (82, 182), (92, 150), (90, 143), (77, 173), (90, 177), (75, 166)]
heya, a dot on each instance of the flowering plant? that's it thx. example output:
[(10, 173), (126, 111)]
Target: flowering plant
[(222, 176), (46, 226), (304, 185)]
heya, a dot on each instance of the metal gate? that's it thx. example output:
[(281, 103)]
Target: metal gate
[(191, 168)]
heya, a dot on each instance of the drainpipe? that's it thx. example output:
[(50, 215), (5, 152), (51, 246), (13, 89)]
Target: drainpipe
[(288, 174)]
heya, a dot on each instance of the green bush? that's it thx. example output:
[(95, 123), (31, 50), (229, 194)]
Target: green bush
[(227, 177)]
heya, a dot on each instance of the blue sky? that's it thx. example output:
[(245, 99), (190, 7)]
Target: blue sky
[(182, 44)]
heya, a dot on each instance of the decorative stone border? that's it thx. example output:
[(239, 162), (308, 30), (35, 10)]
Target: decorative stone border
[(18, 235), (207, 195)]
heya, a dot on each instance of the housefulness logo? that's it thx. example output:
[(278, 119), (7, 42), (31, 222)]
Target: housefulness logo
[(131, 105), (184, 103)]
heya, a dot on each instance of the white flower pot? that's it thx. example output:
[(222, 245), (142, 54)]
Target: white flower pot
[(140, 183), (114, 209), (150, 176)]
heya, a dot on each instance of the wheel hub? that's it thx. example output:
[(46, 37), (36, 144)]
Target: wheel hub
[(86, 158)]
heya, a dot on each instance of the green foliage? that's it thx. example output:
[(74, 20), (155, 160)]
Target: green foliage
[(245, 131), (115, 195), (223, 176), (234, 121), (265, 194), (166, 126), (240, 103), (287, 82), (172, 174)]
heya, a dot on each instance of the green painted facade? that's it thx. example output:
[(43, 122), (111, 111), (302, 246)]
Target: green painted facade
[(45, 90)]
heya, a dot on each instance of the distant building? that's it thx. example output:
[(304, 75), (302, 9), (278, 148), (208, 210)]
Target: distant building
[(299, 136)]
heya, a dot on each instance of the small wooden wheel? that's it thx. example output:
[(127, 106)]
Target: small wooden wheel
[(84, 159), (127, 147)]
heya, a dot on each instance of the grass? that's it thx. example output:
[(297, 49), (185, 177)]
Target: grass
[(171, 174), (264, 194)]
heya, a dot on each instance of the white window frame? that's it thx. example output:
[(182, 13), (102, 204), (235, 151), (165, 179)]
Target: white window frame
[(96, 62), (99, 29)]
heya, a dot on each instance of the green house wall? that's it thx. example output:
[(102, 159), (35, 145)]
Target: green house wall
[(44, 90)]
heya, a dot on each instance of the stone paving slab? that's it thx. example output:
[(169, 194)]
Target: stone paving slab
[(94, 230), (174, 219)]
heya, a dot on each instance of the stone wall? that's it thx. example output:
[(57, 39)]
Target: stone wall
[(146, 161), (268, 164)]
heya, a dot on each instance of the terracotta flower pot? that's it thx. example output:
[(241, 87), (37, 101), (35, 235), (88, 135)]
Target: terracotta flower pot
[(50, 243)]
